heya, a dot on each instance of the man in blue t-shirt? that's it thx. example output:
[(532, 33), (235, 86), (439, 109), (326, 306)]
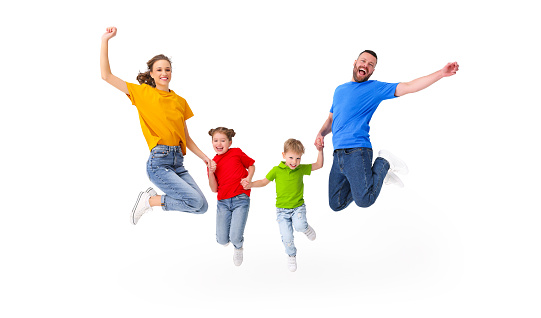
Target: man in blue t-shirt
[(353, 177)]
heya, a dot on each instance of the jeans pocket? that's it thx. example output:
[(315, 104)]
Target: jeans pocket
[(160, 153)]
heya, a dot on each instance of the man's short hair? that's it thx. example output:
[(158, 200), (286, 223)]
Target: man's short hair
[(369, 52)]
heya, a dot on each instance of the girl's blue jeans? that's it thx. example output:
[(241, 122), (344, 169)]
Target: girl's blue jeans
[(353, 178), (166, 170), (231, 216)]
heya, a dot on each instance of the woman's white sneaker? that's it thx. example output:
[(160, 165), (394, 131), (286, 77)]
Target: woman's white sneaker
[(141, 207)]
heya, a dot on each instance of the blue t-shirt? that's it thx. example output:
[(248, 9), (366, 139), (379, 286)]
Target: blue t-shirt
[(352, 108)]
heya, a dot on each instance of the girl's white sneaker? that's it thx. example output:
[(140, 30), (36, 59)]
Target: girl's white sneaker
[(237, 256)]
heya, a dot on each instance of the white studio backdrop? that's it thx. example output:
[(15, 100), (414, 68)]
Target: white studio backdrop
[(461, 239)]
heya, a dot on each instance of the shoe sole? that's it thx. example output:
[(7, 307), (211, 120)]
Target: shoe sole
[(132, 217)]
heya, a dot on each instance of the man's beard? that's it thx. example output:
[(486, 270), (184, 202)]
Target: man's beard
[(362, 79)]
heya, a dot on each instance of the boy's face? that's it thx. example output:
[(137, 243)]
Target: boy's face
[(293, 160)]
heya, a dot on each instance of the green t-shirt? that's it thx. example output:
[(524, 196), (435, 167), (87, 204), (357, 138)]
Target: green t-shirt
[(289, 185)]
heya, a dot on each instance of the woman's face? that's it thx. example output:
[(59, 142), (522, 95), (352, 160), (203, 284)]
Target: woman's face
[(161, 73)]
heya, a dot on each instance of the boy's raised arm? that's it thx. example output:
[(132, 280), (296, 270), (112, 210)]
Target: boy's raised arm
[(319, 163)]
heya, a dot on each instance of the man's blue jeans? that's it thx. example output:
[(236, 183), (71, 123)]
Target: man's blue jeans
[(287, 219), (354, 178), (231, 216), (166, 170)]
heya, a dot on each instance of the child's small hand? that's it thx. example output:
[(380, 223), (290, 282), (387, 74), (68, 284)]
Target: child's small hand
[(212, 166), (246, 184), (319, 145)]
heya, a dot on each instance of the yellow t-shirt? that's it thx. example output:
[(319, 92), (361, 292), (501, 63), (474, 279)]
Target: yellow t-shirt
[(162, 115)]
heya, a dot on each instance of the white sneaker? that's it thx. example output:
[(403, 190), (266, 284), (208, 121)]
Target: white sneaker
[(237, 256), (397, 165), (310, 233), (141, 207), (292, 263), (151, 192), (392, 178)]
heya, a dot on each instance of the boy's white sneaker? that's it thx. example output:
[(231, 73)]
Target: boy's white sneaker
[(310, 233), (237, 256), (397, 165), (141, 207), (292, 263), (392, 178)]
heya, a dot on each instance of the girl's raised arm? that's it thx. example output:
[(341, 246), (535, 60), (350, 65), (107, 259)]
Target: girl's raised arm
[(106, 74)]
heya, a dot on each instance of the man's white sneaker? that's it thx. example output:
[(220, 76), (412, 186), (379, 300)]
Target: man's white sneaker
[(392, 178), (310, 233), (237, 256), (397, 165), (141, 207), (292, 263)]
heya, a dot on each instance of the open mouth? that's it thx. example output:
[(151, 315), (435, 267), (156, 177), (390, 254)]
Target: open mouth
[(362, 71)]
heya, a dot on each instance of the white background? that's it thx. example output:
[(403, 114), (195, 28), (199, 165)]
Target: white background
[(461, 239)]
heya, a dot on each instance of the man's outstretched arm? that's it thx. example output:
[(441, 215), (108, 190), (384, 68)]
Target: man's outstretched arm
[(425, 81)]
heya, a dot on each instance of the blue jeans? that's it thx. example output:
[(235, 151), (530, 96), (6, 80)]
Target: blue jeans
[(287, 219), (231, 216), (166, 170), (354, 178)]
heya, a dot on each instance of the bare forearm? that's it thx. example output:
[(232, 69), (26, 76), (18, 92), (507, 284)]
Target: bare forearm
[(418, 84), (319, 163), (212, 182)]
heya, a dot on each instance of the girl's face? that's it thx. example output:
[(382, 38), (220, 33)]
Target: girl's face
[(221, 143), (161, 73)]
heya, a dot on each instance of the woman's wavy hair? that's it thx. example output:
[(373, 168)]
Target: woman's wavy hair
[(145, 78)]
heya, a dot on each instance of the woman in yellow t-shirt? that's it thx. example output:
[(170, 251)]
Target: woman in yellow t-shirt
[(163, 115)]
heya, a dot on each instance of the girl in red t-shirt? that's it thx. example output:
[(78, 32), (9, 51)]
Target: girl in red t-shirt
[(232, 167)]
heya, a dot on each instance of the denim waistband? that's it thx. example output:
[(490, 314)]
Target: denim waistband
[(168, 148), (350, 149)]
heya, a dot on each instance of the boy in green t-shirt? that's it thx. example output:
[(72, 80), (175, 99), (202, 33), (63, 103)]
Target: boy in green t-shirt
[(290, 207)]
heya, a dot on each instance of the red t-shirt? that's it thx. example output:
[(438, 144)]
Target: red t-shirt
[(230, 169)]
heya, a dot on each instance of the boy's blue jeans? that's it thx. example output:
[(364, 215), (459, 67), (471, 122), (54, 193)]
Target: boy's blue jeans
[(231, 216), (287, 219), (166, 170), (354, 178)]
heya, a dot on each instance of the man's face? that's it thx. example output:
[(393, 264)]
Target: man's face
[(363, 67)]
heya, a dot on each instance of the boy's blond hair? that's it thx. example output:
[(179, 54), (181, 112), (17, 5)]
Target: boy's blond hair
[(294, 145)]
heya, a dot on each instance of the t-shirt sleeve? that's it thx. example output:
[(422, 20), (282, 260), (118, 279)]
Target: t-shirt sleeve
[(187, 111), (271, 175), (306, 169), (136, 93), (246, 161), (387, 90)]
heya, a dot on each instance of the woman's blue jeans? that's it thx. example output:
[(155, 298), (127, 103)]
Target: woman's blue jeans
[(353, 178), (231, 216), (166, 170)]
